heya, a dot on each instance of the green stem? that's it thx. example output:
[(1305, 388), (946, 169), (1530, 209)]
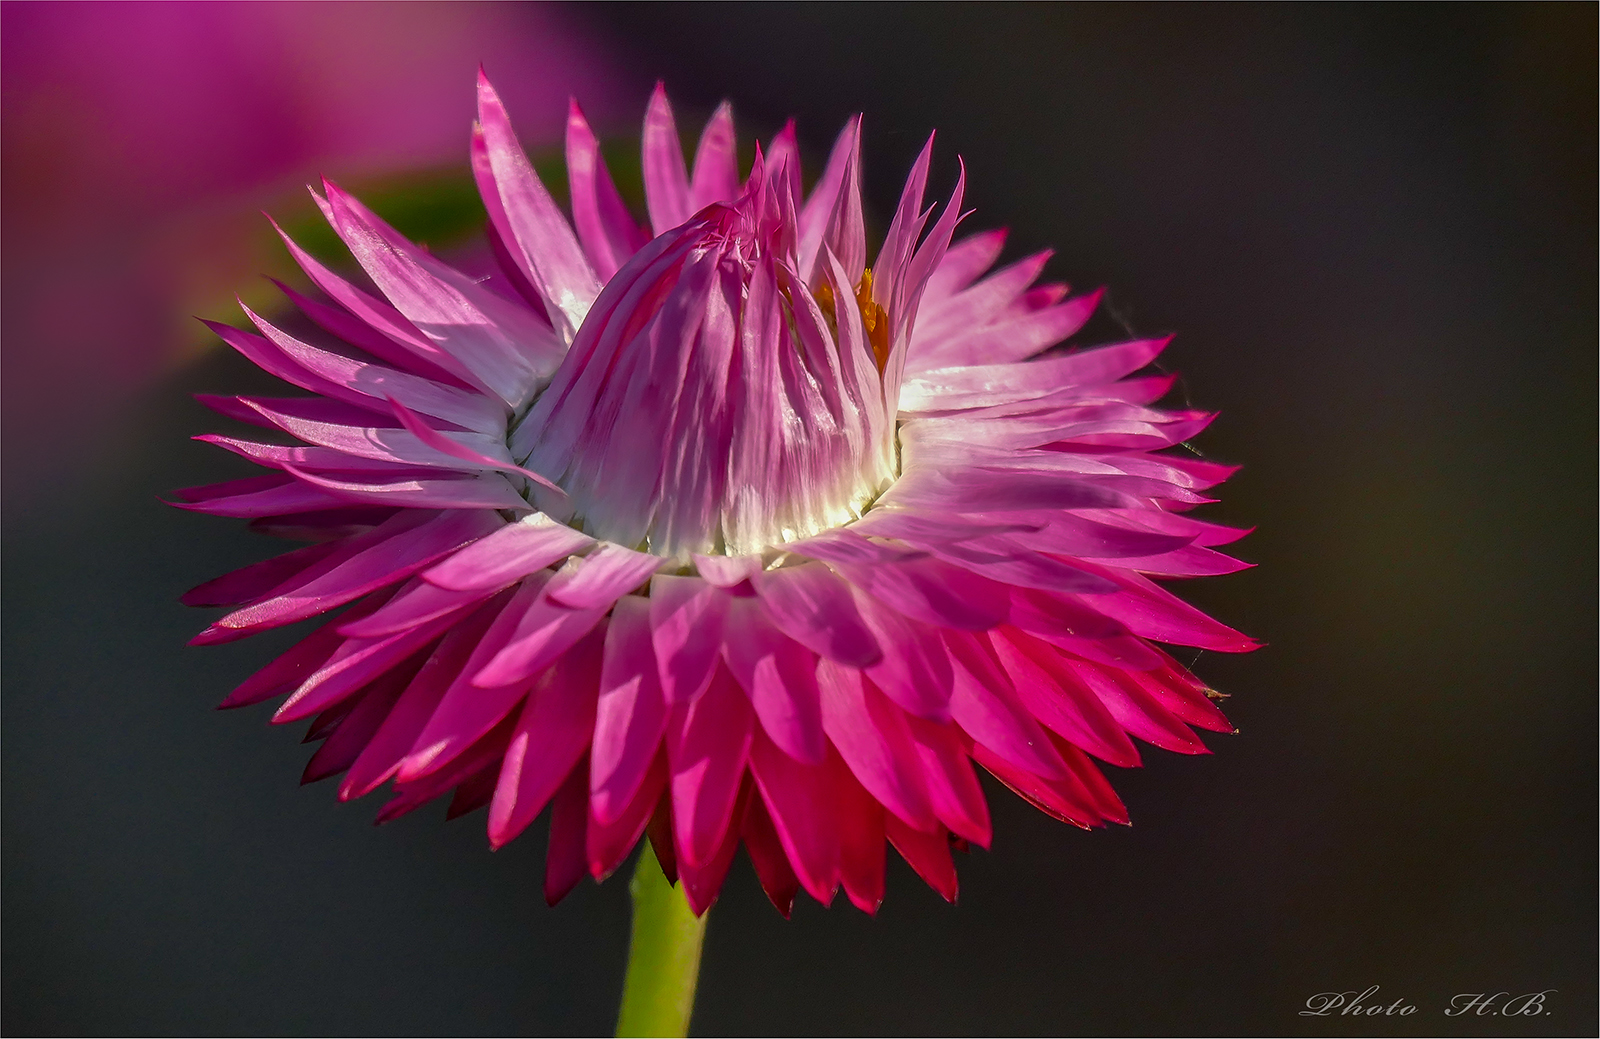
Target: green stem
[(664, 958)]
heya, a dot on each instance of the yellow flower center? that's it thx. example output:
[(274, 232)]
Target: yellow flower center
[(873, 319)]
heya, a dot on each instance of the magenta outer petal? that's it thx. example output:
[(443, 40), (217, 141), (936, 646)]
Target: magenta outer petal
[(393, 742), (256, 580), (861, 820), (547, 630), (779, 675), (716, 169), (606, 574), (985, 705), (915, 671), (686, 623), (400, 547), (708, 746), (632, 715), (567, 857), (952, 785), (467, 711), (1056, 696), (814, 607), (552, 734), (609, 844), (797, 798), (514, 551), (928, 854), (875, 740), (702, 883)]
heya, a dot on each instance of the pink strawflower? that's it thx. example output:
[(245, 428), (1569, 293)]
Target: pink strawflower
[(715, 531)]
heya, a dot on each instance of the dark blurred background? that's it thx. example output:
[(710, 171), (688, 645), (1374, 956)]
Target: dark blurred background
[(1374, 229)]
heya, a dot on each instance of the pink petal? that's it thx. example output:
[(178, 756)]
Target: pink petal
[(861, 834), (1052, 691), (952, 787), (1182, 694), (783, 154), (686, 623), (814, 607), (716, 171), (545, 632), (542, 239), (337, 321), (468, 711), (606, 574), (605, 227), (567, 856), (845, 547), (256, 580), (768, 857), (1011, 340), (631, 716), (797, 798), (845, 235), (779, 675), (416, 603), (356, 730), (1089, 776), (915, 670), (514, 551), (483, 755), (368, 385), (354, 664), (1136, 710), (383, 755), (933, 592), (963, 262), (455, 448), (819, 207), (708, 744), (983, 302), (701, 884), (927, 853), (984, 703), (257, 496), (500, 341), (874, 740), (1068, 622), (666, 183), (1155, 613), (552, 734), (302, 660), (1063, 798), (488, 491), (412, 348), (609, 844), (311, 459), (904, 229), (398, 548)]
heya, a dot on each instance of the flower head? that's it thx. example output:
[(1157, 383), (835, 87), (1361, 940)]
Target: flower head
[(714, 530)]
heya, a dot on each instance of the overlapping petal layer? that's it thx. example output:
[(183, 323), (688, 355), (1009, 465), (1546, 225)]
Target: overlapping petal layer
[(713, 532)]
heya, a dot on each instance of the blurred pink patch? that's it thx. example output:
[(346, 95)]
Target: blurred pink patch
[(136, 136)]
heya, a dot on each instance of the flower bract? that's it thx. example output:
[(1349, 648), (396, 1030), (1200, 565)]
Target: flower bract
[(726, 529)]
